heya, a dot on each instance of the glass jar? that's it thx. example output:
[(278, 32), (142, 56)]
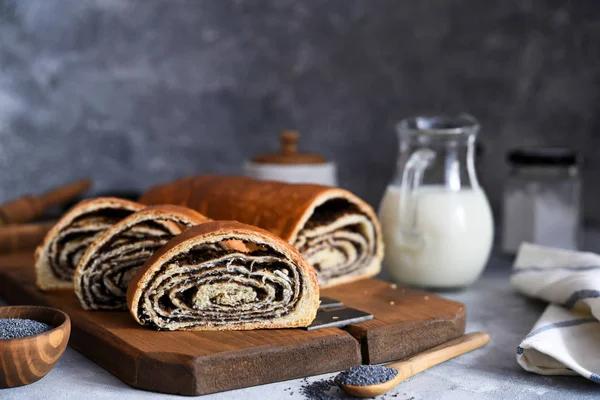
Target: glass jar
[(542, 199), (436, 220)]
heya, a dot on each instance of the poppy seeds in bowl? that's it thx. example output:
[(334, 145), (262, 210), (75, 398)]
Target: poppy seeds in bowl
[(14, 328)]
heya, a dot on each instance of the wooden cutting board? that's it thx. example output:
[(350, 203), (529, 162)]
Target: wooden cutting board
[(195, 363)]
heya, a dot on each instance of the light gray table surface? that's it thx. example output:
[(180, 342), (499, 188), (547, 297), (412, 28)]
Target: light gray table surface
[(489, 373)]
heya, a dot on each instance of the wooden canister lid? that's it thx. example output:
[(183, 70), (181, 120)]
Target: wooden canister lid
[(288, 153)]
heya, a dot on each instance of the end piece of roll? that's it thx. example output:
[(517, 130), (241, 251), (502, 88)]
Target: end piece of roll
[(199, 281), (110, 262), (63, 246)]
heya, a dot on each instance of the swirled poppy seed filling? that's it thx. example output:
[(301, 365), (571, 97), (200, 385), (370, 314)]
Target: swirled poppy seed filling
[(68, 247), (212, 284), (105, 278), (338, 240)]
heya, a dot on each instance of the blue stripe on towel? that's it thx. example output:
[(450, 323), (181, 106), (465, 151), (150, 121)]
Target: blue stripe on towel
[(563, 324), (519, 350), (580, 295), (542, 269), (595, 378)]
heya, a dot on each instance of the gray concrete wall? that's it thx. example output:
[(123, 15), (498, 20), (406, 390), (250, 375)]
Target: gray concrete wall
[(133, 92)]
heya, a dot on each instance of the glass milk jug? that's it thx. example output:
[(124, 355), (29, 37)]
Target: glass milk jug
[(436, 220)]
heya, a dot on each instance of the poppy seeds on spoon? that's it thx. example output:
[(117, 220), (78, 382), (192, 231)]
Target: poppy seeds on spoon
[(14, 328), (365, 375)]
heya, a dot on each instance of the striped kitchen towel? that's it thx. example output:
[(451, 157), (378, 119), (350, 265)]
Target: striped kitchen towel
[(566, 338)]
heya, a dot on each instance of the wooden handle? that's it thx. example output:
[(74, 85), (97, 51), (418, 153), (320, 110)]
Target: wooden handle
[(439, 354), (288, 142), (65, 193), (24, 209), (28, 208), (22, 237)]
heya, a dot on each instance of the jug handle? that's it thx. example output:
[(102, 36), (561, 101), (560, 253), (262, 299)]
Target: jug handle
[(412, 178)]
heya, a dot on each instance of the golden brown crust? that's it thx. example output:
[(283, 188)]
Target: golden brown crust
[(45, 278), (278, 207), (281, 208), (225, 231), (175, 218)]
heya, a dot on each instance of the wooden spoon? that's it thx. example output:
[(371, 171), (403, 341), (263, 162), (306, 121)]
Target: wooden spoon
[(19, 237), (29, 208), (421, 362)]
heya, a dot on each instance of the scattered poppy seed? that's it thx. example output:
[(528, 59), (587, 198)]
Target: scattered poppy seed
[(318, 390)]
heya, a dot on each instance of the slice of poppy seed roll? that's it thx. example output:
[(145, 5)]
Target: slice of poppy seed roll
[(198, 282), (105, 270), (58, 255)]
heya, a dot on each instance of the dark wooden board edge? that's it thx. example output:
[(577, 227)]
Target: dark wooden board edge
[(240, 369), (198, 375), (394, 334), (395, 342)]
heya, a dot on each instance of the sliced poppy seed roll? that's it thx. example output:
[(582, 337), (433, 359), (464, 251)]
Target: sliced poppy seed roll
[(58, 255), (105, 270), (337, 232), (198, 282)]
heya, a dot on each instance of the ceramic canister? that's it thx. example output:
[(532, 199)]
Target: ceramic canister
[(291, 166)]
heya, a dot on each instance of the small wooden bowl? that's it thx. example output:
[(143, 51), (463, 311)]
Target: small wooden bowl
[(28, 359)]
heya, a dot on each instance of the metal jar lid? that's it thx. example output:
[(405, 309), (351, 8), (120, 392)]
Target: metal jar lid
[(543, 157)]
